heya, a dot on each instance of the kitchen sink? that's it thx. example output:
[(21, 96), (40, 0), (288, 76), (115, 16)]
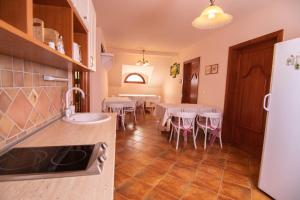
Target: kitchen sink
[(87, 118)]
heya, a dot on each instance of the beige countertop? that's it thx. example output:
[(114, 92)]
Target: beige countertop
[(98, 187)]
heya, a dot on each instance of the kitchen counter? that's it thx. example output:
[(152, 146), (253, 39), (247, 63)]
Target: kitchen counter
[(93, 187)]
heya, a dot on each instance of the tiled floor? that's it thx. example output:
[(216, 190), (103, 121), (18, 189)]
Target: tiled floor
[(148, 167)]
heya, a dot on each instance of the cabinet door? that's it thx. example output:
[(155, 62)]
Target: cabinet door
[(92, 37), (82, 7)]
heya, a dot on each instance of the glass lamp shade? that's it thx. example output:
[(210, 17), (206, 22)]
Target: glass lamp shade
[(139, 63), (143, 63), (212, 17)]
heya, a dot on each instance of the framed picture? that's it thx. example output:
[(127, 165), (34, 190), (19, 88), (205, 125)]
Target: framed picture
[(214, 69), (211, 69)]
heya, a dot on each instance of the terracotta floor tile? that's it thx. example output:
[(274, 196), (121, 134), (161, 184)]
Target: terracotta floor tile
[(236, 178), (238, 158), (173, 156), (219, 162), (118, 196), (162, 163), (238, 168), (208, 181), (156, 194), (223, 197), (182, 172), (144, 158), (128, 169), (235, 191), (150, 175), (199, 193), (259, 195), (187, 162), (134, 189), (149, 167), (120, 178), (173, 185), (211, 169)]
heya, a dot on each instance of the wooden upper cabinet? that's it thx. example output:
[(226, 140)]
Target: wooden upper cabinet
[(82, 8), (16, 31), (86, 11), (92, 37), (17, 13)]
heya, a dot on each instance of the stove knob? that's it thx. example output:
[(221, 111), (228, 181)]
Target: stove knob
[(102, 158), (104, 146)]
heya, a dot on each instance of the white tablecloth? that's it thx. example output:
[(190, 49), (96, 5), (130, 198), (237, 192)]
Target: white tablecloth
[(143, 97), (125, 101), (163, 111)]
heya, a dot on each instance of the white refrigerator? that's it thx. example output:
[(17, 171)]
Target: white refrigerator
[(280, 167)]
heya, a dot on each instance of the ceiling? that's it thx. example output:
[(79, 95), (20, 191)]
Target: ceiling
[(160, 25)]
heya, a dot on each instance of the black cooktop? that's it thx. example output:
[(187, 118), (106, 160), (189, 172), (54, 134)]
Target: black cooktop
[(45, 159)]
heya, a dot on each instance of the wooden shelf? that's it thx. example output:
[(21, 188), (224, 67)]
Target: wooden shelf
[(17, 43), (15, 12), (81, 38), (16, 32)]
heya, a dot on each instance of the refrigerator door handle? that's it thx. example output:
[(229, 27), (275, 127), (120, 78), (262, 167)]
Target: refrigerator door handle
[(266, 103)]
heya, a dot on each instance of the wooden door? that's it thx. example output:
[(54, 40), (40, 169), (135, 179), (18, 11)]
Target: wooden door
[(248, 80), (191, 71)]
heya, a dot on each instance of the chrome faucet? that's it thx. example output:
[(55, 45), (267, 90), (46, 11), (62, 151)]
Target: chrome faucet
[(70, 109)]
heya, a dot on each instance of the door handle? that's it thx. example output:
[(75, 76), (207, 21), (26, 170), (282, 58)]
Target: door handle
[(265, 104)]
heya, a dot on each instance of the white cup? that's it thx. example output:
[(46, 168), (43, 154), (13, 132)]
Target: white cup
[(51, 45)]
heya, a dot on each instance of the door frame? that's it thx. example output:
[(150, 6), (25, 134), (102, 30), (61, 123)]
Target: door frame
[(189, 62), (229, 116)]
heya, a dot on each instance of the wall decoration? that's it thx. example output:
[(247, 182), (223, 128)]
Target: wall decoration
[(297, 63), (175, 70), (294, 61), (212, 69)]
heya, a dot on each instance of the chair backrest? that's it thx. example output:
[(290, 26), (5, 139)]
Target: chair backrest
[(215, 119), (116, 108), (149, 104), (140, 102), (184, 119)]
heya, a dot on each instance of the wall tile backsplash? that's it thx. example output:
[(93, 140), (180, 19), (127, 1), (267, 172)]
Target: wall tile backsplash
[(26, 100)]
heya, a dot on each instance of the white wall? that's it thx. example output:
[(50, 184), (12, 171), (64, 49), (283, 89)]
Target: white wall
[(157, 85), (214, 47), (98, 79)]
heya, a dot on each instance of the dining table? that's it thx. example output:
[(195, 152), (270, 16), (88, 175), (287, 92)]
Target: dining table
[(124, 101), (163, 110), (142, 97)]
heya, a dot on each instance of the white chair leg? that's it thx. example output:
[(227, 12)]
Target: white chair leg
[(134, 114), (178, 134), (123, 122), (197, 130), (220, 139), (171, 134), (194, 138), (205, 138)]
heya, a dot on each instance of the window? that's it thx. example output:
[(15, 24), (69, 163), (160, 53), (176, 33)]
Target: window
[(134, 78)]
